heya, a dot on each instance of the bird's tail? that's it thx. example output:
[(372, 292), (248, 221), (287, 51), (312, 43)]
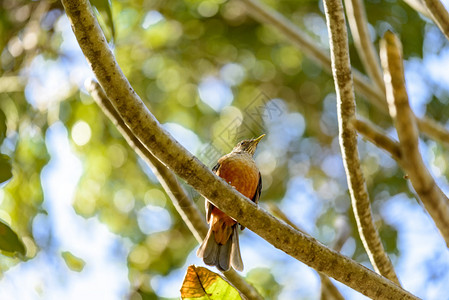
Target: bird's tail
[(223, 256)]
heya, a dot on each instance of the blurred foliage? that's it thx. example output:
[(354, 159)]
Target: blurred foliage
[(5, 168), (9, 241), (264, 282), (74, 263), (220, 76), (103, 8)]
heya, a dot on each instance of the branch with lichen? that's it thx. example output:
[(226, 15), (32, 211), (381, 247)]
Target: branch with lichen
[(434, 200), (341, 69), (162, 145), (362, 84), (186, 208)]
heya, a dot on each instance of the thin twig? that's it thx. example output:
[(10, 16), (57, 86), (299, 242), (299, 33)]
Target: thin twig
[(276, 211), (162, 145), (328, 289), (439, 15), (433, 129), (341, 66), (343, 233), (355, 10), (375, 136), (362, 84), (434, 200), (294, 34), (184, 205)]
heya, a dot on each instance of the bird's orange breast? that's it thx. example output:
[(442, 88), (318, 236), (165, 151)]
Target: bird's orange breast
[(240, 171)]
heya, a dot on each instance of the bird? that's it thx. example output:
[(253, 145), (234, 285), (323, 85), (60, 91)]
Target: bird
[(220, 247)]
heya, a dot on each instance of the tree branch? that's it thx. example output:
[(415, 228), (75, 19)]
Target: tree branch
[(419, 7), (341, 69), (148, 130), (375, 136), (433, 129), (434, 200), (355, 10), (328, 289), (305, 43), (439, 15), (182, 203), (362, 84)]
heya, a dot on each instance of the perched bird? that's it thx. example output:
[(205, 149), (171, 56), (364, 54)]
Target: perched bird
[(221, 248)]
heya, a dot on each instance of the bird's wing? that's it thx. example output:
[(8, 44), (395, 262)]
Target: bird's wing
[(210, 206), (256, 196), (258, 190), (216, 167)]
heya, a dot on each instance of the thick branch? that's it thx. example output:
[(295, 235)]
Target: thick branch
[(183, 204), (148, 130), (439, 15), (341, 69), (434, 200), (362, 84), (355, 10)]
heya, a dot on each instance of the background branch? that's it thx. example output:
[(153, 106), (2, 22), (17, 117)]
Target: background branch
[(355, 10), (439, 15), (328, 289), (434, 200), (148, 130), (186, 208), (341, 69), (270, 16), (375, 136), (362, 84), (419, 7)]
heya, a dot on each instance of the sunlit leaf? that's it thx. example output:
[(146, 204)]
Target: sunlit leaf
[(200, 283), (9, 241), (5, 168), (104, 9), (73, 262)]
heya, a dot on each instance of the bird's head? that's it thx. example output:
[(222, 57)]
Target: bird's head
[(248, 146)]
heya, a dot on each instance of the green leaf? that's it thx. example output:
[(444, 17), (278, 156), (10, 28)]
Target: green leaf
[(104, 10), (73, 262), (2, 126), (201, 283), (5, 168), (9, 241)]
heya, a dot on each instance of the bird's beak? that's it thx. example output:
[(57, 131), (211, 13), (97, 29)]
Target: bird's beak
[(256, 141)]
